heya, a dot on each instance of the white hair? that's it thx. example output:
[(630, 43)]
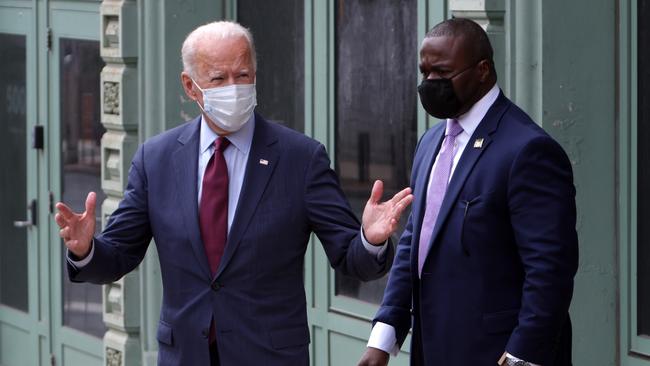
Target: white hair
[(221, 29)]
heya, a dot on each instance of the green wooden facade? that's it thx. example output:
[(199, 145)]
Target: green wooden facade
[(573, 66)]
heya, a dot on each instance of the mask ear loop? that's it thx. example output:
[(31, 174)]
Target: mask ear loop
[(196, 100), (463, 70)]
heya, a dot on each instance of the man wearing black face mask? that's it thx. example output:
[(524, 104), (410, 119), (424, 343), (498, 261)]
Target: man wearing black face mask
[(484, 270)]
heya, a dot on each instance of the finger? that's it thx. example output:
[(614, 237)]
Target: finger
[(63, 233), (401, 194), (91, 201), (65, 211), (58, 218), (377, 191), (403, 204), (398, 208)]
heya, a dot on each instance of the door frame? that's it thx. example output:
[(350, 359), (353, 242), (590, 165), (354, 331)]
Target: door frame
[(21, 20)]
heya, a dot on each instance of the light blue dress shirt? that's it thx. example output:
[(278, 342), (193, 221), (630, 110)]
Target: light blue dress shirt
[(236, 156)]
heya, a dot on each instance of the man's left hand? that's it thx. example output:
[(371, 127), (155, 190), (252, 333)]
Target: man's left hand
[(380, 219)]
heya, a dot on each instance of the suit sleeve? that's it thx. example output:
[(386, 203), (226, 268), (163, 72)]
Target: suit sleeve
[(335, 224), (395, 309), (123, 243), (541, 199)]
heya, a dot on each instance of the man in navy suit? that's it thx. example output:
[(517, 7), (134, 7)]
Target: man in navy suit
[(483, 273), (231, 201)]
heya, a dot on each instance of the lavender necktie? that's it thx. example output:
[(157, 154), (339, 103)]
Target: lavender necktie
[(438, 187)]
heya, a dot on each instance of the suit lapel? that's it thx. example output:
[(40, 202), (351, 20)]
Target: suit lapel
[(468, 160), (256, 178), (185, 160)]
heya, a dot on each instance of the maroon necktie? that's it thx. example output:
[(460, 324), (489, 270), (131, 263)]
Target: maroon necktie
[(213, 209)]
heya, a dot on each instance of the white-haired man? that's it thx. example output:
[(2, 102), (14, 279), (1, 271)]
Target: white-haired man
[(231, 201)]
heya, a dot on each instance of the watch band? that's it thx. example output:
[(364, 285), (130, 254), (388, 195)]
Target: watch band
[(509, 361)]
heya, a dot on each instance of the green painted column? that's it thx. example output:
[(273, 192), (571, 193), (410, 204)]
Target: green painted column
[(578, 66), (119, 78)]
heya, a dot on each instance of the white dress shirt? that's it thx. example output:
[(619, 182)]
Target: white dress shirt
[(382, 335)]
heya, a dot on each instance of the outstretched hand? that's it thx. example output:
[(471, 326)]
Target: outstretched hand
[(380, 219), (77, 229)]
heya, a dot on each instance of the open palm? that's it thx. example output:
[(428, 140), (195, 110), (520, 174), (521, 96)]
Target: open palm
[(380, 219), (77, 229)]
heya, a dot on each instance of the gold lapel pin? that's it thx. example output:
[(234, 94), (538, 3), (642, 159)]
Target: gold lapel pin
[(478, 143), (264, 162)]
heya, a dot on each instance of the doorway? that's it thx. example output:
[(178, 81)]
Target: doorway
[(50, 83)]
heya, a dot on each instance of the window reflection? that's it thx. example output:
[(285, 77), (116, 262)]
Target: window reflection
[(278, 30), (81, 131), (376, 96), (13, 182)]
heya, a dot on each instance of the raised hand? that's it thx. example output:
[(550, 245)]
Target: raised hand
[(380, 219), (77, 229)]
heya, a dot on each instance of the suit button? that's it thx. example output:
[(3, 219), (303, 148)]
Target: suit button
[(205, 332), (215, 286)]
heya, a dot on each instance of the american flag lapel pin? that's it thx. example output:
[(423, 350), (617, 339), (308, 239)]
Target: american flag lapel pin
[(478, 143), (264, 162)]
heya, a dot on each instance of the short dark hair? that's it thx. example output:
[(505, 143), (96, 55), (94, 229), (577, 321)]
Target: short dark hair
[(471, 31)]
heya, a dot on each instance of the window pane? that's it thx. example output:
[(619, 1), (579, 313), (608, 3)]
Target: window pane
[(13, 180), (643, 240), (376, 96), (278, 31), (81, 131)]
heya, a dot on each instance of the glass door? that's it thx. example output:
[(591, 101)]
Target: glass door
[(75, 131), (49, 119), (22, 326)]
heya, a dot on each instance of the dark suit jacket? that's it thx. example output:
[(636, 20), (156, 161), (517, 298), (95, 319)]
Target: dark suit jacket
[(257, 297), (504, 251)]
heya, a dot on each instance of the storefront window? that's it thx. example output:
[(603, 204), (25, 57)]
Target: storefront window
[(278, 31), (13, 180), (376, 96), (81, 131)]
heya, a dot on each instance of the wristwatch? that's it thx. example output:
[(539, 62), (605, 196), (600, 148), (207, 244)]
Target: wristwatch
[(508, 361), (511, 362)]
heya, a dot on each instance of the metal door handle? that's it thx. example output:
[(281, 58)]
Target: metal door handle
[(32, 207), (25, 224)]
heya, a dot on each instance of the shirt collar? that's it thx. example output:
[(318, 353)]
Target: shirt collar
[(471, 119), (241, 139)]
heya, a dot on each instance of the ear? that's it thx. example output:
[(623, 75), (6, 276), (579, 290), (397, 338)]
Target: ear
[(485, 69), (188, 86)]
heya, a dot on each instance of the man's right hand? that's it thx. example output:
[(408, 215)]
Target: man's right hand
[(374, 357), (77, 230)]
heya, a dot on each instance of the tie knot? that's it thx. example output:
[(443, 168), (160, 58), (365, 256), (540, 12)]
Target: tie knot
[(221, 143), (453, 128)]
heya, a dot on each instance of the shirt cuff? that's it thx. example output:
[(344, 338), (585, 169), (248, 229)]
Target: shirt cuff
[(377, 250), (515, 359), (83, 262), (383, 337)]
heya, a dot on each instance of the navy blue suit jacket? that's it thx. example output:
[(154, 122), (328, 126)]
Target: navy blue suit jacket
[(257, 296), (504, 251)]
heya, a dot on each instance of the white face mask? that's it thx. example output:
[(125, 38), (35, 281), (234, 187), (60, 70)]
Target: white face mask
[(229, 107)]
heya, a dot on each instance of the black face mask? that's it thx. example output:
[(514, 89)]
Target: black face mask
[(439, 98)]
